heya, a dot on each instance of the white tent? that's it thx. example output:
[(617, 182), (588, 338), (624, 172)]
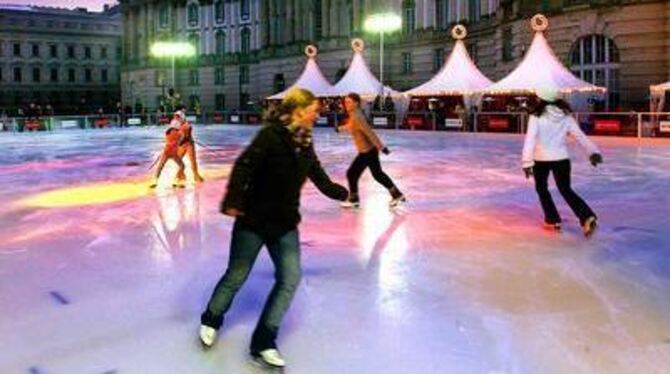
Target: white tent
[(657, 95), (458, 76), (360, 80), (541, 69), (311, 79)]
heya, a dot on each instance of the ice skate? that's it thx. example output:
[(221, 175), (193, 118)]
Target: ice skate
[(207, 336), (270, 357), (396, 201), (590, 226), (552, 226), (351, 202)]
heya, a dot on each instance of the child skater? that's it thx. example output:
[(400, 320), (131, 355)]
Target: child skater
[(263, 196), (368, 145), (545, 151), (170, 152)]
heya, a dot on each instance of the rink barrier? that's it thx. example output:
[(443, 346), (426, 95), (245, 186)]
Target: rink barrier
[(622, 124)]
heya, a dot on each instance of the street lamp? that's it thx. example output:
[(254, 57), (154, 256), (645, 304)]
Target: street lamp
[(172, 50), (382, 23)]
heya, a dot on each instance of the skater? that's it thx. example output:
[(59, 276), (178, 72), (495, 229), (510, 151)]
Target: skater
[(368, 146), (263, 196), (187, 143), (170, 152), (545, 151)]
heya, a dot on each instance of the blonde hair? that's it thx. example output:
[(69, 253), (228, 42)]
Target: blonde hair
[(296, 98)]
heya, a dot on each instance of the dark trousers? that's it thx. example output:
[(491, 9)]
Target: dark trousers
[(561, 172), (369, 159), (244, 248)]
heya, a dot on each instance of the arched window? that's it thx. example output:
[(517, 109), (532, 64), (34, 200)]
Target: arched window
[(193, 11), (244, 9), (245, 40), (595, 59), (220, 40), (219, 11), (164, 15), (408, 16)]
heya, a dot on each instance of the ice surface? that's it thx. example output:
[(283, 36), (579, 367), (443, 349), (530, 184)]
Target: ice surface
[(464, 280)]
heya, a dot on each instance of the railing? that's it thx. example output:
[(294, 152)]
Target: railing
[(627, 124)]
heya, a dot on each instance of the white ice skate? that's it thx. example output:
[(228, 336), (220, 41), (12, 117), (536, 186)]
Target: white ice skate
[(350, 204), (207, 336), (395, 202), (590, 226), (271, 357)]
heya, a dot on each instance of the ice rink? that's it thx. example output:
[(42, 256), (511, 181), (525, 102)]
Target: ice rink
[(99, 274)]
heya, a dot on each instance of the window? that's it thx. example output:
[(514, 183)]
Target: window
[(160, 78), (474, 10), (0, 79), (244, 100), (472, 51), (245, 40), (87, 52), (37, 76), (193, 77), (442, 13), (36, 50), (438, 59), (18, 76), (220, 40), (17, 49), (194, 39), (88, 75), (407, 63), (193, 14), (194, 102), (318, 20), (507, 50), (103, 52), (54, 75), (279, 83), (244, 9), (70, 51), (104, 77), (219, 77), (244, 74), (219, 11), (53, 51), (408, 16), (595, 59), (220, 101), (163, 16), (71, 76)]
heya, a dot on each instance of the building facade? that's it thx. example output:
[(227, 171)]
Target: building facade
[(66, 59), (249, 49)]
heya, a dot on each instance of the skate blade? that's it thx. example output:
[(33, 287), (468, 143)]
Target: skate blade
[(263, 367)]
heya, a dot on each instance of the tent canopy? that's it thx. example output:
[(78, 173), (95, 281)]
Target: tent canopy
[(360, 80), (660, 88), (541, 69), (311, 79), (458, 76)]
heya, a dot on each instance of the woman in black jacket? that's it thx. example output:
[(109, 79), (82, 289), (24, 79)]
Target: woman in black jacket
[(264, 197)]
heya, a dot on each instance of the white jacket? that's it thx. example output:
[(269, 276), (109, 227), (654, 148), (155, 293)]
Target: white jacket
[(547, 135)]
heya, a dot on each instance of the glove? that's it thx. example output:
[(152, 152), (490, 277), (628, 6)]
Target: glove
[(528, 171), (386, 151), (596, 159)]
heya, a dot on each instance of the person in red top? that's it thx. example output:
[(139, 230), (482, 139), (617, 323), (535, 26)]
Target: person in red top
[(170, 152), (187, 143)]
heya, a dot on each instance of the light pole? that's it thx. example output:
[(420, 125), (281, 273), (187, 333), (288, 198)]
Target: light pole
[(172, 50), (382, 23)]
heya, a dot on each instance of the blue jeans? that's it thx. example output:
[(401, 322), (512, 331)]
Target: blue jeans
[(244, 248)]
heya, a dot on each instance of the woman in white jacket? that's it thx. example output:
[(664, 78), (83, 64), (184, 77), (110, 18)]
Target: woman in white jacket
[(545, 151)]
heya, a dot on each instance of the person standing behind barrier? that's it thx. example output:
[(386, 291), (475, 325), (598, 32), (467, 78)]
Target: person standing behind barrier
[(368, 145), (545, 151)]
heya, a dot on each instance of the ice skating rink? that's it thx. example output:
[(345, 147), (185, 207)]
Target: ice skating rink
[(99, 274)]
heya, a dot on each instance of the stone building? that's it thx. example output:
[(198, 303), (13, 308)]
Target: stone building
[(68, 59), (249, 49)]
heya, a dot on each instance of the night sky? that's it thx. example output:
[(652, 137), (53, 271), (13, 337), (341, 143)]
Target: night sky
[(90, 4)]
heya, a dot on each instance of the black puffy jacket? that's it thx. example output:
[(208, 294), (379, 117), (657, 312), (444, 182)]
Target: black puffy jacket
[(266, 180)]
